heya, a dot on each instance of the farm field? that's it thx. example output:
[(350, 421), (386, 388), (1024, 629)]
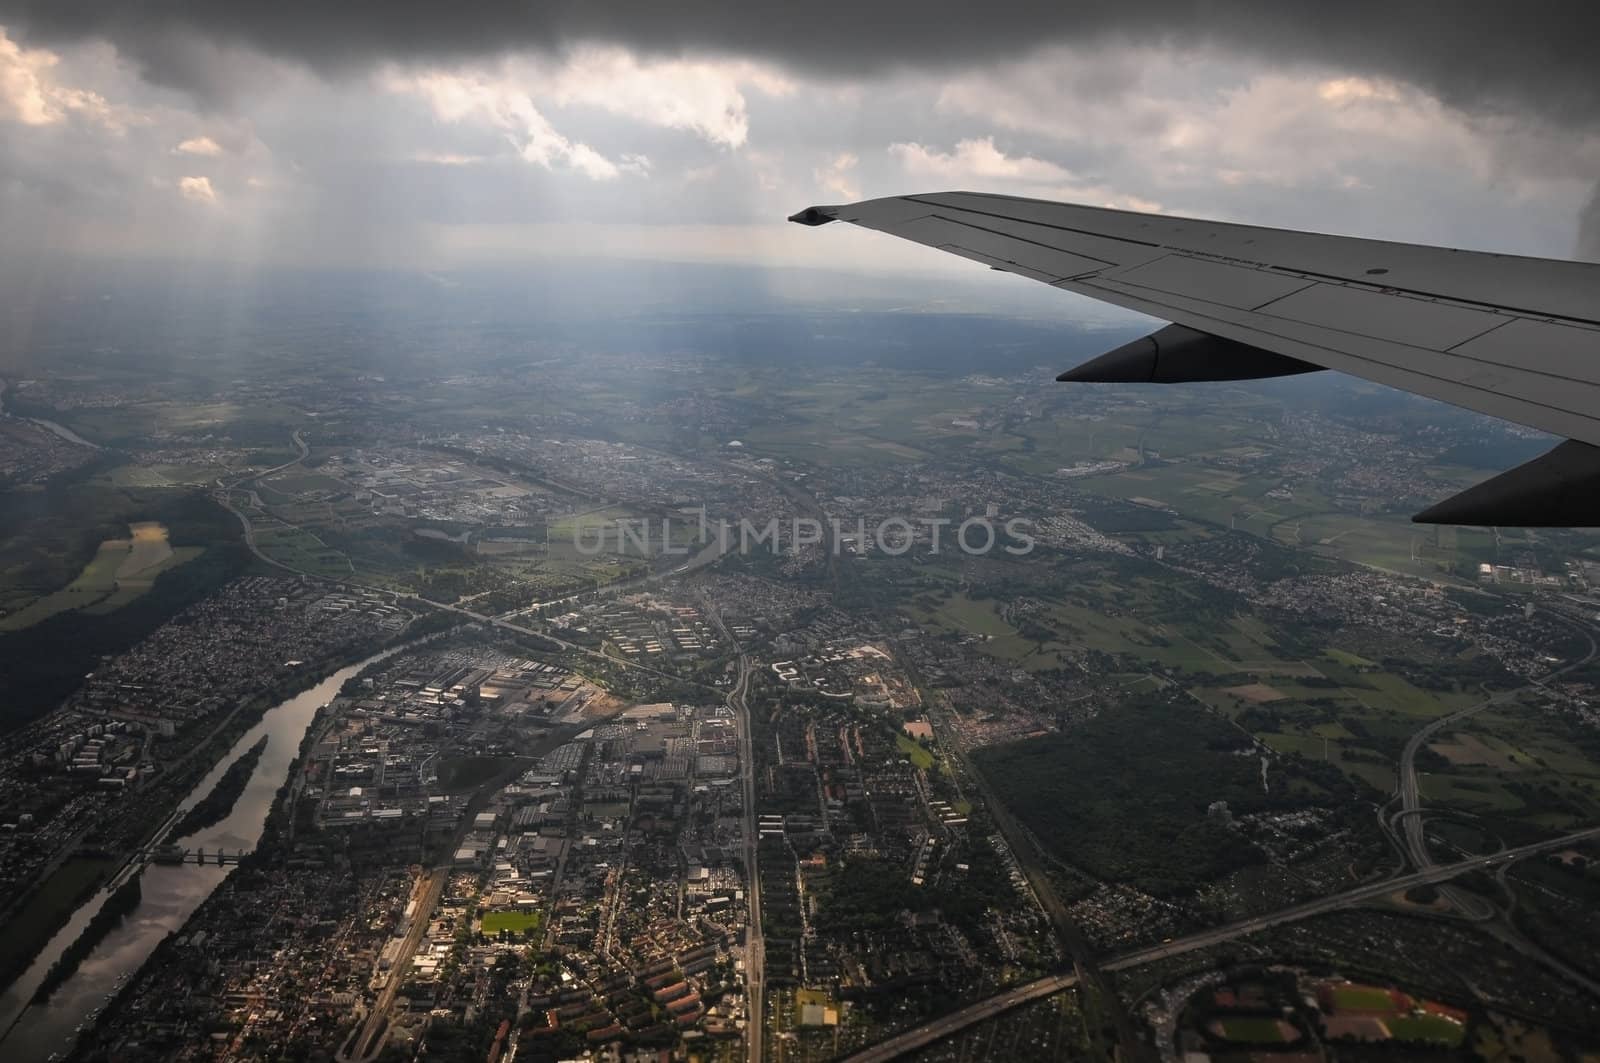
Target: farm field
[(120, 571), (1145, 628), (301, 550)]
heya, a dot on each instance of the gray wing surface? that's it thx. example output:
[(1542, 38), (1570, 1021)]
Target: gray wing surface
[(1510, 336)]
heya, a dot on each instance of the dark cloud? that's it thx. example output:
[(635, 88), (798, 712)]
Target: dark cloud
[(1588, 245), (1535, 56)]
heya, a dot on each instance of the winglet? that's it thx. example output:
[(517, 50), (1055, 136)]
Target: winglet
[(815, 215), (1559, 489)]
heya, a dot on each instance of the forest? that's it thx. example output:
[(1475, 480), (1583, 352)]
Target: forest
[(1124, 796)]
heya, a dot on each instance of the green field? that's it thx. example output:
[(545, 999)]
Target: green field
[(1250, 1029), (1362, 998), (1349, 660), (301, 550), (1147, 623), (1353, 762), (1435, 1029), (516, 922), (120, 571), (919, 757)]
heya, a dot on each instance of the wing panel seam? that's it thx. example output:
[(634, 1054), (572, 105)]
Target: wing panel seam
[(1497, 325), (1285, 295), (1023, 240), (1486, 363), (1041, 224), (1159, 310), (1447, 300)]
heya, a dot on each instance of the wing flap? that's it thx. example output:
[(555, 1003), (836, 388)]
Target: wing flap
[(1553, 348), (1240, 287), (1429, 326)]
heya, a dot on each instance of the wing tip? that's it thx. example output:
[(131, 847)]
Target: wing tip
[(815, 216)]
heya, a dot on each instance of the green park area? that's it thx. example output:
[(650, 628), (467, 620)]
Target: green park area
[(920, 757)]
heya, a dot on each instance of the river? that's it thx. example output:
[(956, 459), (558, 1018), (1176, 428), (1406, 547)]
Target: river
[(169, 894), (50, 426)]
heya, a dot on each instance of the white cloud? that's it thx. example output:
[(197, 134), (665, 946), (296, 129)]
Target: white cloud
[(835, 176), (977, 165), (1197, 120), (30, 95), (701, 96), (729, 143), (705, 97), (201, 145), (448, 158), (976, 160), (197, 189), (501, 104)]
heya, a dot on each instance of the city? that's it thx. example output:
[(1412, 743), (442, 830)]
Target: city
[(606, 783)]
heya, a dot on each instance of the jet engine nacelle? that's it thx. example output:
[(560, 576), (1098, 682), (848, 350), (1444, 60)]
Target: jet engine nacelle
[(1178, 355)]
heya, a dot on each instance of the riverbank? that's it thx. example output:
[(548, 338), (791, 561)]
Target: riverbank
[(25, 411), (118, 907), (36, 919), (215, 806), (171, 894)]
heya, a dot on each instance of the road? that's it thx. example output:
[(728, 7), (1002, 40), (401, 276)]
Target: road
[(428, 604), (956, 1021), (703, 557), (755, 959)]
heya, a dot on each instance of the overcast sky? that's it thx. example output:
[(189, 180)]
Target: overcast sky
[(434, 135)]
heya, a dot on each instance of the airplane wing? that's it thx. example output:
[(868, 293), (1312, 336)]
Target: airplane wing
[(1514, 337)]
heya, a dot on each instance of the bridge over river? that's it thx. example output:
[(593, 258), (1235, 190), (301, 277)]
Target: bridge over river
[(172, 855)]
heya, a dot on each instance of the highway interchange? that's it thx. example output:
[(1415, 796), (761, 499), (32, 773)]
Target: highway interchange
[(953, 1023)]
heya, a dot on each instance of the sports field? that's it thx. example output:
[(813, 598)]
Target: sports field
[(516, 922)]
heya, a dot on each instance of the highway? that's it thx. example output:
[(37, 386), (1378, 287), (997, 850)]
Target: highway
[(1410, 819), (956, 1021)]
